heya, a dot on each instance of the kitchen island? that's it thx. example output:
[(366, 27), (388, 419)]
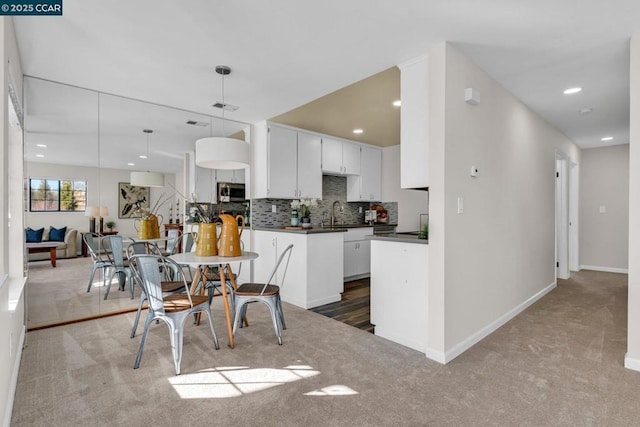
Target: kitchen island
[(399, 285), (315, 271)]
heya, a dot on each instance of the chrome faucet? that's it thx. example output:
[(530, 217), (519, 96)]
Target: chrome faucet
[(333, 212)]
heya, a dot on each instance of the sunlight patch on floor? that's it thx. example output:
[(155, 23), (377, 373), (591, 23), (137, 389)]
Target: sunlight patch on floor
[(225, 382), (333, 390)]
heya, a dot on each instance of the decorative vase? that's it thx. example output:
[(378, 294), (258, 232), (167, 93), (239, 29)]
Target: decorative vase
[(207, 241), (306, 222)]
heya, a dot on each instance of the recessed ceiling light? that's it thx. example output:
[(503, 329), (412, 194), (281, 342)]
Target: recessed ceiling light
[(585, 110), (41, 145), (572, 90), (131, 164), (142, 156), (39, 155), (606, 138), (358, 131), (397, 103)]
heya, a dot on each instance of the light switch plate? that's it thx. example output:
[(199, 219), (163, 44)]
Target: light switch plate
[(460, 205), (603, 209)]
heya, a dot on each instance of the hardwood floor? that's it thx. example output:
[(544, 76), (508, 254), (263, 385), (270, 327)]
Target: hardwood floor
[(354, 309)]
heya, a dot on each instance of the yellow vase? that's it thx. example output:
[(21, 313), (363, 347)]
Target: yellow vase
[(206, 242)]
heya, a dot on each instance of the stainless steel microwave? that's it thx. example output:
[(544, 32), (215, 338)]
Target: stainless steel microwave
[(231, 192)]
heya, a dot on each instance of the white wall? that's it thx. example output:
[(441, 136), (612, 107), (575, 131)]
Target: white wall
[(411, 203), (102, 190), (12, 318), (632, 359), (499, 254), (604, 181)]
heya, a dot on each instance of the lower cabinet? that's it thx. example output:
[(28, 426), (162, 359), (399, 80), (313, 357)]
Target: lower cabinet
[(357, 253), (314, 276), (399, 292)]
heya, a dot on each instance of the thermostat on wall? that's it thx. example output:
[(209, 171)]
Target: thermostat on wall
[(471, 96)]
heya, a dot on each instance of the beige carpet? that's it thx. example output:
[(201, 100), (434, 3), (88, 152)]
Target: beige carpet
[(559, 363), (59, 294)]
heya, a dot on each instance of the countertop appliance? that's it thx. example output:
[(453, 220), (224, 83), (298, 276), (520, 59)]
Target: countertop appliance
[(231, 192)]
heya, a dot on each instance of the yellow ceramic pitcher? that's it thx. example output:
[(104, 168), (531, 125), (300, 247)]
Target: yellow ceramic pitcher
[(229, 240), (206, 241), (148, 227)]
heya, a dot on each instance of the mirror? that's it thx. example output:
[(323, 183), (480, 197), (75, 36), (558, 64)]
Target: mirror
[(78, 135)]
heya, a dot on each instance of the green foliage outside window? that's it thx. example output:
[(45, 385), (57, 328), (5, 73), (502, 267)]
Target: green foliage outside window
[(52, 195)]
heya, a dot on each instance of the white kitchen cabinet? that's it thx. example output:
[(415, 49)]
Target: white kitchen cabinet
[(414, 123), (399, 292), (235, 176), (340, 157), (367, 187), (287, 164), (309, 166), (314, 276), (205, 186), (357, 253)]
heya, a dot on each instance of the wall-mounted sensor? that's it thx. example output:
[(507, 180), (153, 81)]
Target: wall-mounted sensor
[(474, 171), (471, 96)]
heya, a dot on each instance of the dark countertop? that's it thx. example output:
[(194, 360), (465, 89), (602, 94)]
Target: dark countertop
[(399, 237), (314, 230), (317, 229)]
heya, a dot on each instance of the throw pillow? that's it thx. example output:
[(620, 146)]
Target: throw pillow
[(34, 236), (57, 234)]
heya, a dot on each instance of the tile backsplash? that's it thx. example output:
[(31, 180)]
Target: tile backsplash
[(334, 188)]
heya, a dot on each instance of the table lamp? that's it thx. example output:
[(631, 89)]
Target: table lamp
[(92, 212), (104, 211)]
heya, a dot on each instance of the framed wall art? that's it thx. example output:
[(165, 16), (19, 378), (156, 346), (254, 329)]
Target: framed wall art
[(132, 200)]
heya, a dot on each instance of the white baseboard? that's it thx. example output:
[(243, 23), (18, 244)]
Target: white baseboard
[(8, 410), (631, 363), (322, 301), (463, 346), (436, 356), (605, 269)]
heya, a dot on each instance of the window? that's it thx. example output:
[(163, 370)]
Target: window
[(53, 195)]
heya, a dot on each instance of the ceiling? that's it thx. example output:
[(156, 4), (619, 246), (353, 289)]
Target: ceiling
[(287, 54)]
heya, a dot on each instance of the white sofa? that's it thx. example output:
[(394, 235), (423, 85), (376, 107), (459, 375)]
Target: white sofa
[(66, 249)]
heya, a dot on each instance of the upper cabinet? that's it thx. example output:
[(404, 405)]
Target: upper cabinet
[(366, 187), (235, 176), (340, 157), (414, 123), (287, 163)]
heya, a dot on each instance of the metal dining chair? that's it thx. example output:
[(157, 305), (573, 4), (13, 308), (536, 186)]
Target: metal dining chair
[(266, 293), (114, 249), (171, 309), (98, 261), (173, 242), (170, 285)]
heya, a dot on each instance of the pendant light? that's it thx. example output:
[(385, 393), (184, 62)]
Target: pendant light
[(147, 179), (220, 152)]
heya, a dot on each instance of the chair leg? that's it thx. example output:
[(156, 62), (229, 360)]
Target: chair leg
[(239, 309), (280, 312), (135, 322), (93, 273), (130, 283), (213, 332), (106, 292), (147, 323), (275, 318), (177, 336)]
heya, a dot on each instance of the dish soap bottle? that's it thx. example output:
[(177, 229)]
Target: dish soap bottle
[(295, 221)]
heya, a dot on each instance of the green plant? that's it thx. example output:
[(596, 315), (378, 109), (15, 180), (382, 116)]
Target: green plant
[(110, 224), (424, 233)]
